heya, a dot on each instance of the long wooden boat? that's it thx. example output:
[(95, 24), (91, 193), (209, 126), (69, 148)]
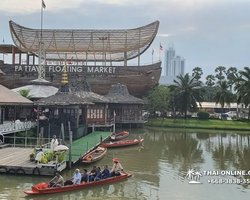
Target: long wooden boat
[(94, 155), (119, 136), (122, 143), (42, 189)]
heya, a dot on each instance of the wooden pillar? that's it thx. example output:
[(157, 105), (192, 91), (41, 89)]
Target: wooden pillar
[(20, 58), (1, 115), (106, 112), (34, 59), (27, 59), (13, 56), (77, 119)]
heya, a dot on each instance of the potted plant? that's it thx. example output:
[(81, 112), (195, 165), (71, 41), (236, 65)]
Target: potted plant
[(32, 156)]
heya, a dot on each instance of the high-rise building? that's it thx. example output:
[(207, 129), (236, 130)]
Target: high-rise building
[(174, 64), (177, 66), (169, 55)]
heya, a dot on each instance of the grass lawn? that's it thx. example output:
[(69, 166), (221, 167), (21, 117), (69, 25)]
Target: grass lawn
[(202, 124)]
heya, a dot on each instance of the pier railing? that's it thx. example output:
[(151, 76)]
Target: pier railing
[(15, 127)]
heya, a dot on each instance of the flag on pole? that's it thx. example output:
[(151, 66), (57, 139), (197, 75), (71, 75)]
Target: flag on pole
[(3, 40), (161, 48), (43, 4), (114, 113), (152, 51)]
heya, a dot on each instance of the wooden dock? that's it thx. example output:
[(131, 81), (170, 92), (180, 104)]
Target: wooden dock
[(16, 160)]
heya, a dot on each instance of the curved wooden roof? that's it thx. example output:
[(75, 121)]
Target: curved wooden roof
[(87, 44)]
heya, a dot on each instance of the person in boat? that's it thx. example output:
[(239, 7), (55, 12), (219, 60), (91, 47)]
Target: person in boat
[(75, 180), (105, 172), (39, 155), (124, 132), (117, 168), (92, 174), (57, 181), (54, 142), (98, 174), (85, 176)]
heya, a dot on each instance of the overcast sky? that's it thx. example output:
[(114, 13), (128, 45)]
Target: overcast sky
[(207, 33)]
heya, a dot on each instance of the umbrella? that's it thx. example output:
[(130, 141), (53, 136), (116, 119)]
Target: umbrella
[(61, 147)]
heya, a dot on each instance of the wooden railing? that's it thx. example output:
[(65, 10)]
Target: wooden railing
[(15, 127)]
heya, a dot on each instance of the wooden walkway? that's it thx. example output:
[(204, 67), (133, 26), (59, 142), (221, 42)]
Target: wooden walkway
[(16, 160)]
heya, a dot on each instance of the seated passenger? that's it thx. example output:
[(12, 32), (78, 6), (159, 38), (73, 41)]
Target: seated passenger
[(75, 180), (105, 172), (92, 174), (117, 168), (98, 174), (85, 176), (57, 181)]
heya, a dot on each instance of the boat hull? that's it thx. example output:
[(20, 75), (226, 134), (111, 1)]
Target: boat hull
[(122, 144), (138, 79), (119, 136), (76, 187), (95, 156)]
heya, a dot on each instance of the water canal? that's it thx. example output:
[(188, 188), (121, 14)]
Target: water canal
[(159, 168)]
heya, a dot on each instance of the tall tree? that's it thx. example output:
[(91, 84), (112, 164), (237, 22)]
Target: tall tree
[(197, 73), (231, 76), (157, 99), (242, 87), (25, 93), (189, 91), (220, 71), (210, 80), (223, 95)]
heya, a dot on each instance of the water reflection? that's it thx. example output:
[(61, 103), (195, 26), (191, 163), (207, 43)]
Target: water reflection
[(159, 168)]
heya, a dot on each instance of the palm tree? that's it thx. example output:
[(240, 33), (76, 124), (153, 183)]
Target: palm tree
[(197, 73), (25, 93), (189, 91), (210, 80), (223, 95), (243, 88), (220, 70)]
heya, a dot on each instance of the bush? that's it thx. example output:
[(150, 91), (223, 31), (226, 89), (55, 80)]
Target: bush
[(43, 160), (202, 114), (234, 118)]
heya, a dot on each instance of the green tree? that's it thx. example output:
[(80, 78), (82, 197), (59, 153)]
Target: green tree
[(157, 99), (220, 71), (25, 93), (210, 80), (197, 73), (223, 95), (189, 91), (231, 76), (242, 87)]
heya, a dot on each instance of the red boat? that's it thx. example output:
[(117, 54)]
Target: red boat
[(120, 136), (42, 188), (122, 143), (94, 155)]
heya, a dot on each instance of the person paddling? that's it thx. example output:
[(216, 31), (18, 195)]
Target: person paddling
[(117, 168)]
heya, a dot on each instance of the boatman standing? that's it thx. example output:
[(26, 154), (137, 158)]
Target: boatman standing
[(54, 142), (117, 168)]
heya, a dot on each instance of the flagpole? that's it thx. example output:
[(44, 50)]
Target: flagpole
[(41, 20)]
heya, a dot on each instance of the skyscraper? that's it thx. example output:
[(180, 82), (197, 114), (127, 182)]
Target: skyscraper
[(177, 66), (174, 64), (169, 55)]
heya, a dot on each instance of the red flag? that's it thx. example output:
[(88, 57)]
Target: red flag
[(161, 48), (43, 4), (35, 110)]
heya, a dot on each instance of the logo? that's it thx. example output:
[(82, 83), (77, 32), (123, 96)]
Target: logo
[(194, 176)]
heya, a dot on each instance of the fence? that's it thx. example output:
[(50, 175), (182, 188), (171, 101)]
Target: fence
[(15, 127)]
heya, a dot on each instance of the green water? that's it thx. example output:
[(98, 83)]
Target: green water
[(159, 168)]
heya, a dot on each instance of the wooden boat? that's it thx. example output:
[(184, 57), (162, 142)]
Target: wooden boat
[(42, 188), (119, 136), (122, 143), (94, 155)]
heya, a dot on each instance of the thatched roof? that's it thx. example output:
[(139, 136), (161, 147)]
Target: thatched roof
[(81, 88), (119, 94), (8, 97)]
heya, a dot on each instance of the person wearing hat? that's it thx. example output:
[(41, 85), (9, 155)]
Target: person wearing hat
[(117, 168), (54, 142)]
